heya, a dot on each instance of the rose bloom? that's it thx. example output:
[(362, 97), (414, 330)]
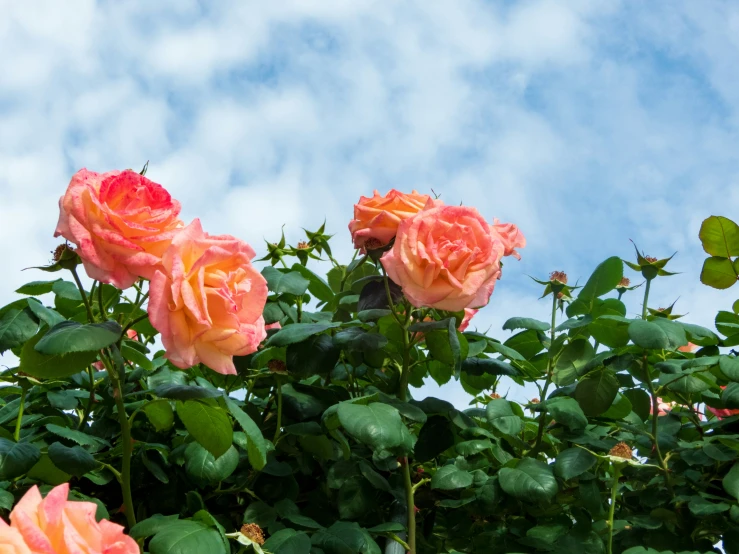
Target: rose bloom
[(446, 257), (55, 525), (690, 347), (469, 313), (207, 300), (121, 223), (511, 236), (376, 219)]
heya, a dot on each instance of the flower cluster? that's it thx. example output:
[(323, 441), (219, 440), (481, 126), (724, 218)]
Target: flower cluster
[(206, 298), (444, 257), (55, 524)]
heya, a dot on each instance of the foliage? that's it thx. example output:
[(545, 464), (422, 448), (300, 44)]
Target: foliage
[(316, 441)]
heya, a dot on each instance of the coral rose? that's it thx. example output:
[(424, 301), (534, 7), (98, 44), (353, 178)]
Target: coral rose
[(376, 219), (207, 299), (121, 223), (511, 236), (54, 525), (690, 347), (469, 313), (11, 541), (445, 257)]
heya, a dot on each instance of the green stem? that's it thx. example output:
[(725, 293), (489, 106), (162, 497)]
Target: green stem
[(117, 375), (612, 509), (91, 401), (346, 274), (279, 411), (543, 417), (103, 315), (400, 541), (85, 301), (646, 298), (411, 507), (655, 424), (17, 434)]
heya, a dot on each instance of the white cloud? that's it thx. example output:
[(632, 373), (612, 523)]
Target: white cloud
[(585, 123)]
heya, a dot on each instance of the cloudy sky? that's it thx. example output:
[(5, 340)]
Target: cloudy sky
[(586, 123)]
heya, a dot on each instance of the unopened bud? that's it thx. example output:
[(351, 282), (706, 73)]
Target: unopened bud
[(560, 276), (621, 450), (534, 401), (254, 532), (277, 366)]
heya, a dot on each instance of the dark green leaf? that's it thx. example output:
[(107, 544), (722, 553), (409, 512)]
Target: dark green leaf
[(377, 425), (75, 460), (318, 287), (281, 282), (69, 336), (648, 334), (596, 391), (531, 480), (288, 541), (16, 327), (185, 392), (525, 323), (604, 279), (435, 437), (501, 416), (297, 332), (17, 458), (204, 469), (450, 477), (186, 537), (256, 447), (491, 366), (573, 462), (567, 411), (160, 414)]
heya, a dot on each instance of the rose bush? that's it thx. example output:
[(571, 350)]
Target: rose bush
[(210, 406)]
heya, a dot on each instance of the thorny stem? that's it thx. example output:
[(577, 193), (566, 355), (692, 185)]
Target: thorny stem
[(91, 401), (85, 301), (17, 434), (279, 411), (612, 509), (550, 361), (117, 374)]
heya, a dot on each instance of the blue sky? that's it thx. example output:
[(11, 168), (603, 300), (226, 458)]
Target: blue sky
[(586, 123)]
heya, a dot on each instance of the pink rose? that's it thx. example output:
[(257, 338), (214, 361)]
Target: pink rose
[(121, 223), (55, 525), (275, 325), (511, 236), (663, 408), (207, 299), (469, 313), (376, 219), (11, 541), (445, 257)]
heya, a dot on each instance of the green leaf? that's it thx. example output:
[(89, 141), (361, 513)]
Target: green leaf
[(699, 335), (675, 332), (571, 361), (160, 414), (731, 481), (256, 447), (208, 425), (450, 477), (526, 343), (648, 334), (491, 366), (316, 355), (151, 526), (204, 469), (297, 332), (186, 537), (567, 411), (56, 366), (37, 287), (355, 498), (720, 236), (730, 367), (501, 416), (596, 392), (604, 279), (377, 425), (185, 392), (69, 336), (525, 323), (16, 327), (573, 462), (344, 538), (727, 323), (288, 541), (75, 460), (17, 458), (77, 436), (318, 287), (46, 472), (442, 346), (291, 282), (699, 506), (718, 272), (47, 315), (66, 290), (531, 480), (470, 448)]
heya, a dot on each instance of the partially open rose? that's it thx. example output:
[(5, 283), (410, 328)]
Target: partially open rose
[(207, 300), (376, 219)]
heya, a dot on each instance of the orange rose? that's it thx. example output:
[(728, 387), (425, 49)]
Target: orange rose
[(376, 219), (469, 313), (690, 347), (445, 257), (55, 525), (511, 236), (121, 223), (207, 299)]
